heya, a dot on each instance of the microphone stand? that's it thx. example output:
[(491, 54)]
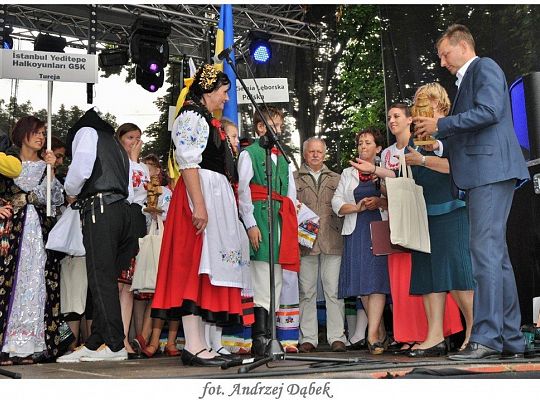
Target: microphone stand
[(274, 350)]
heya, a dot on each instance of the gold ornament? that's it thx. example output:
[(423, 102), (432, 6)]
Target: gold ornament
[(208, 77)]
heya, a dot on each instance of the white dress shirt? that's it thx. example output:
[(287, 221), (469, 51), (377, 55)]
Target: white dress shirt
[(245, 174), (84, 154)]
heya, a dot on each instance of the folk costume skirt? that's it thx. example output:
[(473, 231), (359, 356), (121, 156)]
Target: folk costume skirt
[(180, 288)]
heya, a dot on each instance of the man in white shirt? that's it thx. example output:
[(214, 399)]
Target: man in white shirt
[(98, 181)]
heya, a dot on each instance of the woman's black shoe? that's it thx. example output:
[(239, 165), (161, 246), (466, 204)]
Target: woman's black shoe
[(403, 350), (360, 345), (436, 351), (192, 359)]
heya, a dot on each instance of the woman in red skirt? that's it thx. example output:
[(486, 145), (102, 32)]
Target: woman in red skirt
[(201, 261)]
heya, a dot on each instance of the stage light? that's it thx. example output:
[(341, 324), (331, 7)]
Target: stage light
[(148, 46), (50, 43), (112, 58), (260, 49), (149, 81), (7, 41)]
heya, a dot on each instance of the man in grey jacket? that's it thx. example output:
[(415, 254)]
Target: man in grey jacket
[(315, 185)]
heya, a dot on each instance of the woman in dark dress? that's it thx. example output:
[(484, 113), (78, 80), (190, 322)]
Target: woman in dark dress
[(448, 268), (363, 274)]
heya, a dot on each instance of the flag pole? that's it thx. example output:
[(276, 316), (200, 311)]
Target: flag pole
[(49, 142)]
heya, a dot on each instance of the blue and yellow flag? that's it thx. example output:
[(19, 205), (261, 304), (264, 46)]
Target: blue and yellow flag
[(225, 39)]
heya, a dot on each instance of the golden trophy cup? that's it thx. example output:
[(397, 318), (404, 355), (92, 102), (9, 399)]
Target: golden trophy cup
[(154, 190), (422, 108)]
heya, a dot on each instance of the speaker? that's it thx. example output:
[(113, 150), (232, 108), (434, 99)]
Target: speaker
[(525, 101)]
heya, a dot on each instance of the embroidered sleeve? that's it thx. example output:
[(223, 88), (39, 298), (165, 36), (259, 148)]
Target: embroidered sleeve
[(190, 135)]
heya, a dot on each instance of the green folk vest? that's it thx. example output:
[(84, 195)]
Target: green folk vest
[(280, 184)]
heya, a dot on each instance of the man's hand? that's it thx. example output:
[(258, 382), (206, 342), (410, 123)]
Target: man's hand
[(424, 127), (255, 237)]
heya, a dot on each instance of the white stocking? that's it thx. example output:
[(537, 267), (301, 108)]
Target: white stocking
[(360, 328)]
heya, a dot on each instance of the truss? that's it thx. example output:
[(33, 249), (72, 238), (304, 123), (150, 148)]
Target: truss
[(191, 24)]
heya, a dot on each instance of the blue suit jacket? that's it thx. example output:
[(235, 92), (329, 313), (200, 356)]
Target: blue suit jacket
[(478, 137)]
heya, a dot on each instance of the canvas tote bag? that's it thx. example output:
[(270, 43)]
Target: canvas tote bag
[(147, 261), (407, 212)]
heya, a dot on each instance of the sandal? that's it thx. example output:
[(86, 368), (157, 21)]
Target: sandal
[(6, 362), (171, 350), (405, 348), (150, 353), (28, 360), (376, 348)]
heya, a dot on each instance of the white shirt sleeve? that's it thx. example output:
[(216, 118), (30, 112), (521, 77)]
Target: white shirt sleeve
[(291, 193), (190, 134), (84, 150), (439, 151), (245, 204)]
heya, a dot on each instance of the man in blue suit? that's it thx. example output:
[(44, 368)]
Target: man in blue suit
[(486, 162)]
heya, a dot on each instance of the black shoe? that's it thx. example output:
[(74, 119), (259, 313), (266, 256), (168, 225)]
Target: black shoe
[(229, 356), (510, 355), (438, 350), (360, 345), (192, 359), (400, 350), (475, 351)]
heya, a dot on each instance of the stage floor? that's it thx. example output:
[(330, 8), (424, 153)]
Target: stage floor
[(358, 364)]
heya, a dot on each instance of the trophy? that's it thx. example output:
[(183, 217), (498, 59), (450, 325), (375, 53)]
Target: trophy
[(154, 190), (422, 108)]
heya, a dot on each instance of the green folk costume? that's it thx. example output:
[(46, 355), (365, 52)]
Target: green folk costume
[(280, 184)]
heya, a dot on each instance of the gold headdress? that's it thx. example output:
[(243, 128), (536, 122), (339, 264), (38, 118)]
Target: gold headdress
[(208, 77)]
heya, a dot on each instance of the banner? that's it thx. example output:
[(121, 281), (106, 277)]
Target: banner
[(273, 90), (48, 66)]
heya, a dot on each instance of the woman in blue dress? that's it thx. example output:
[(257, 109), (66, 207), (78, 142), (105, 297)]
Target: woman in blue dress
[(358, 198)]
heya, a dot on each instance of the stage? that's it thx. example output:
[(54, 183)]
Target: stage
[(361, 365)]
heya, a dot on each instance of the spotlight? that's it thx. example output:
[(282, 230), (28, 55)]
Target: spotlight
[(112, 58), (149, 81), (148, 46), (260, 49), (7, 40), (54, 44)]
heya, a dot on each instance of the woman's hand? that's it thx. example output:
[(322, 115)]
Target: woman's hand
[(135, 151), (363, 166), (49, 157), (413, 157), (372, 203), (255, 237), (6, 211), (199, 218), (360, 206)]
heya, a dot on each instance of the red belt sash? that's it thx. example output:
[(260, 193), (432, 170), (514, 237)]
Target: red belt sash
[(289, 251)]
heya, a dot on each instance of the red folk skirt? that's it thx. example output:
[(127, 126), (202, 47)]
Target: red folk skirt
[(180, 289), (410, 322)]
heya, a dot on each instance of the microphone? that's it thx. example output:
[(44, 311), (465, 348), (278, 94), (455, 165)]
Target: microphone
[(225, 53)]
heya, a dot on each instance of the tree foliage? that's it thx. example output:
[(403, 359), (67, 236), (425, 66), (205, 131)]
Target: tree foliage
[(61, 121)]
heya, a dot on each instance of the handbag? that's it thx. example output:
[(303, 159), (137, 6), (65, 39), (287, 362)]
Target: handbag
[(66, 235), (407, 212), (73, 285), (380, 239), (147, 260)]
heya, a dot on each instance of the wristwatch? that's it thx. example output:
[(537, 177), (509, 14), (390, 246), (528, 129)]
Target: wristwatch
[(423, 161)]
